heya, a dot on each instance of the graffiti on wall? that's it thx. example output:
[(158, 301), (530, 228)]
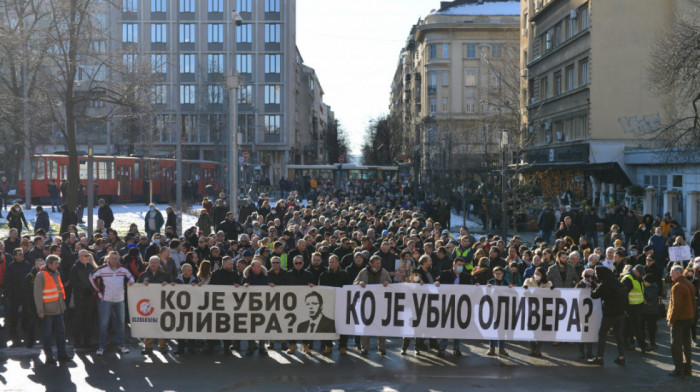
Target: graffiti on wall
[(641, 125)]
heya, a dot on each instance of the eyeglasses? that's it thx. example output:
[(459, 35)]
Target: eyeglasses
[(298, 263), (275, 262)]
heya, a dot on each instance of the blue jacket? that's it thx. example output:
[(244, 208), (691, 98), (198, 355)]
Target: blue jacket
[(658, 243)]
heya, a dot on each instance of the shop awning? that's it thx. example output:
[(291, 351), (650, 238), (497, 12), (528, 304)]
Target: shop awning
[(608, 172)]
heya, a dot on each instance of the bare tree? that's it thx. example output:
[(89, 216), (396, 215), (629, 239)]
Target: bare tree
[(382, 141), (674, 71), (336, 140), (83, 69), (23, 50)]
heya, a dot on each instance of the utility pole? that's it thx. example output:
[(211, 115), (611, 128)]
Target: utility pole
[(178, 141), (233, 83), (504, 171), (90, 190)]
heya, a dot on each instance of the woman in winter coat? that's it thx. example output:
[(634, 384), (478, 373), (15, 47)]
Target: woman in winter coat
[(538, 279), (205, 223), (15, 218)]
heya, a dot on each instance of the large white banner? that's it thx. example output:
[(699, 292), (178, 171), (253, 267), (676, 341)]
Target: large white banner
[(227, 313), (468, 312)]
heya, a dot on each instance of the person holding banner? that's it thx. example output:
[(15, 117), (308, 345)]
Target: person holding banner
[(256, 275), (539, 279), (613, 296), (456, 275), (186, 277), (298, 276), (334, 277), (154, 274), (374, 274), (498, 280), (226, 276)]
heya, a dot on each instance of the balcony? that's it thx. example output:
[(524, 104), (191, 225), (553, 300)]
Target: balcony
[(432, 90)]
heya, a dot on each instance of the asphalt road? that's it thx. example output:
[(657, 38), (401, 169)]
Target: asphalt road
[(21, 369)]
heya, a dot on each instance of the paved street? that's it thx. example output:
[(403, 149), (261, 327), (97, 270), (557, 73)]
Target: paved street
[(21, 370)]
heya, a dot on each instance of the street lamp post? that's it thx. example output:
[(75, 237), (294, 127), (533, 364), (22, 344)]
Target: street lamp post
[(90, 190), (504, 169), (233, 83)]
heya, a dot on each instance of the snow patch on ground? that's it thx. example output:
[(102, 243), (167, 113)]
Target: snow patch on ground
[(124, 216)]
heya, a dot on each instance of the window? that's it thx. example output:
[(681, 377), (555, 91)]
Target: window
[(98, 46), (216, 94), (470, 77), (495, 80), (187, 93), (272, 123), (244, 63), (445, 51), (445, 78), (677, 181), (272, 63), (160, 94), (571, 28), (130, 61), (433, 105), (243, 6), (557, 35), (105, 170), (215, 5), (187, 5), (215, 63), (159, 63), (583, 12), (130, 5), (159, 5), (243, 34), (544, 87), (548, 40), (272, 32), (245, 95), (272, 5), (100, 20), (433, 51), (96, 103), (432, 80), (130, 32), (272, 94), (52, 169), (570, 78), (557, 83), (187, 63), (159, 32), (496, 51), (583, 72), (471, 51), (186, 32), (470, 106), (445, 105), (215, 32)]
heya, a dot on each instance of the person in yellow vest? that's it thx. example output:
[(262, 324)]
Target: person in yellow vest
[(465, 251), (634, 284), (49, 297)]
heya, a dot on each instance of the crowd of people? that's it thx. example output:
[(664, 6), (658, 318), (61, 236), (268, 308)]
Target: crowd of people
[(353, 234)]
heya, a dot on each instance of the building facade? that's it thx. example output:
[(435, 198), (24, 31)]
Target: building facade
[(446, 84), (191, 47), (584, 65)]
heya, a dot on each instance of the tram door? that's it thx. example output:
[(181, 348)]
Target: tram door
[(125, 178)]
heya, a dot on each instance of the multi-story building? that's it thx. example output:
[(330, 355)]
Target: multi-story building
[(311, 119), (191, 48), (585, 96), (446, 84)]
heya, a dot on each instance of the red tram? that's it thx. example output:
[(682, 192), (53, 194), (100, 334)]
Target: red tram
[(120, 179)]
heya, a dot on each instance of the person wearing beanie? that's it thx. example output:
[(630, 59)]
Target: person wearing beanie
[(634, 285)]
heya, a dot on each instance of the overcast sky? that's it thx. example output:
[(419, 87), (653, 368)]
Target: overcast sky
[(354, 48)]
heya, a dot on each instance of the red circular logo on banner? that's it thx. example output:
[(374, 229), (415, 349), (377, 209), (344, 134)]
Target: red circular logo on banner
[(144, 308)]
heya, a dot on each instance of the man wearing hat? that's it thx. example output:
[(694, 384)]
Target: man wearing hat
[(635, 287)]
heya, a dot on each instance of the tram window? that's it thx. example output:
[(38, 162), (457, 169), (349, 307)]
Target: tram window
[(39, 169), (155, 170), (195, 171), (83, 169), (137, 170), (52, 169)]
